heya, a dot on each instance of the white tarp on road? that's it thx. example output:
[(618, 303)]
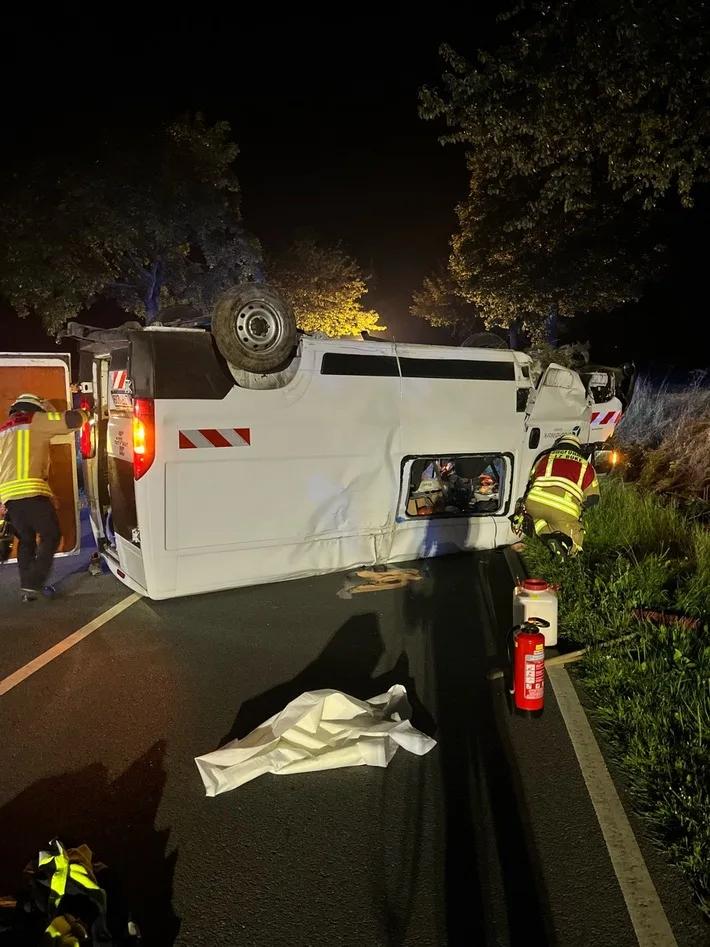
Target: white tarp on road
[(319, 730)]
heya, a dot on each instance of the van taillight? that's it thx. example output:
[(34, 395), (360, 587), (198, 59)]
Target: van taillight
[(87, 436), (143, 436)]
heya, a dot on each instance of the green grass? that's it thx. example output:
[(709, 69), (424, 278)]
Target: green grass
[(650, 685)]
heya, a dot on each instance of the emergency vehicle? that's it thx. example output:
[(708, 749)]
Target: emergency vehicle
[(234, 452)]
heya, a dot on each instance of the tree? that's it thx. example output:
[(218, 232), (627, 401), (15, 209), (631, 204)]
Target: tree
[(584, 96), (325, 286), (148, 224), (518, 279), (583, 119), (567, 262), (440, 303)]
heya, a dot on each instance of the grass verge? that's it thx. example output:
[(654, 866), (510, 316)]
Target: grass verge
[(650, 685)]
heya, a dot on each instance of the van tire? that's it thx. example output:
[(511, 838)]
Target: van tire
[(254, 328)]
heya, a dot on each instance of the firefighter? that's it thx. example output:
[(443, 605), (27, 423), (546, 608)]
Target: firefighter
[(24, 490), (562, 485)]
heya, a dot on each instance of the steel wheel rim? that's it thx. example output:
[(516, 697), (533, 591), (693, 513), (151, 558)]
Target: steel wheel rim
[(258, 326)]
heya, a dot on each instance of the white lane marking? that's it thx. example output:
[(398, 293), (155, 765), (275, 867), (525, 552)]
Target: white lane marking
[(642, 902), (17, 677)]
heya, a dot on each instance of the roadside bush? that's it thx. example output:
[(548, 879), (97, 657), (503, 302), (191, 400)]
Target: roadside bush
[(650, 685), (655, 410), (681, 464)]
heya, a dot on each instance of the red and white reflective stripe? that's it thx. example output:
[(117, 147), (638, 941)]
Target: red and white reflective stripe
[(212, 437), (118, 380), (608, 417)]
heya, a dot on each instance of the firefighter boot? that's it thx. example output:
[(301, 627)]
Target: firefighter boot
[(560, 546)]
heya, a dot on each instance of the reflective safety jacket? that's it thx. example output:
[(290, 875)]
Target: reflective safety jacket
[(24, 451), (65, 903), (563, 480)]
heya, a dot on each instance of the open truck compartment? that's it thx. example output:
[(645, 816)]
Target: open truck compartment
[(49, 376)]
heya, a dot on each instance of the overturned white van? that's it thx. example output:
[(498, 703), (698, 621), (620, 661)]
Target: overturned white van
[(203, 473)]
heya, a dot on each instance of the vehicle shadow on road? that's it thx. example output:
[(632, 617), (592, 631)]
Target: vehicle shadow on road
[(116, 819), (485, 814), (347, 664)]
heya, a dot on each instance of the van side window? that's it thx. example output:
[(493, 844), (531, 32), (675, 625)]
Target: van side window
[(459, 485)]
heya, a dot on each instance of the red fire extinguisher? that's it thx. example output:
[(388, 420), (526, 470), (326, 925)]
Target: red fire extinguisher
[(528, 666)]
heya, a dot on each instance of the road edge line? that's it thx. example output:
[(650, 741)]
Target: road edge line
[(36, 664), (646, 912)]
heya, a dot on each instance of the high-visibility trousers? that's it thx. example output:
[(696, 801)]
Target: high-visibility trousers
[(549, 520)]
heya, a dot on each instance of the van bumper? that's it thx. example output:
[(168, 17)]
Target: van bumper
[(116, 569)]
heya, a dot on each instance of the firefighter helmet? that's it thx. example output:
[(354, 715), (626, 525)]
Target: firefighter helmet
[(26, 403), (569, 440)]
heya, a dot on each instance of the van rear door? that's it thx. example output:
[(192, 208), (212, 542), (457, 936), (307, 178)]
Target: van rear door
[(49, 376), (94, 377)]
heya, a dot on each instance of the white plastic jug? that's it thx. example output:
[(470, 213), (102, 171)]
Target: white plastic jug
[(534, 598)]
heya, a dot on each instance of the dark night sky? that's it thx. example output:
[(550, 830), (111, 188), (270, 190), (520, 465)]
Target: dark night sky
[(324, 108)]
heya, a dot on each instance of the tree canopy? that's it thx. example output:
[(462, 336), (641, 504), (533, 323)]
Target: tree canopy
[(568, 262), (149, 222), (584, 95), (582, 121), (325, 286), (440, 303)]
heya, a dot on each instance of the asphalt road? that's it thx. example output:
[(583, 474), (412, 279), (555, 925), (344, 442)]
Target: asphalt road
[(490, 839)]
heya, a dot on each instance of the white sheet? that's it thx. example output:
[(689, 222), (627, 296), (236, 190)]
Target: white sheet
[(319, 730)]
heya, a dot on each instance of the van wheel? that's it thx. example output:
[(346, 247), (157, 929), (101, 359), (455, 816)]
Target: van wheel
[(254, 328)]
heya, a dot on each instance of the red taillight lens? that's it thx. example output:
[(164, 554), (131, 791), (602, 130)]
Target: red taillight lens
[(87, 436), (143, 436)]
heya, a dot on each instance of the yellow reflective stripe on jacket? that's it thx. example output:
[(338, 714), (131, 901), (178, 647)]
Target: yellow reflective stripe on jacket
[(560, 482), (555, 502), (81, 876), (23, 453), (17, 489), (63, 869), (582, 472), (54, 415), (60, 876)]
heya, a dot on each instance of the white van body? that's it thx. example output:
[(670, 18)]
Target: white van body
[(253, 485)]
